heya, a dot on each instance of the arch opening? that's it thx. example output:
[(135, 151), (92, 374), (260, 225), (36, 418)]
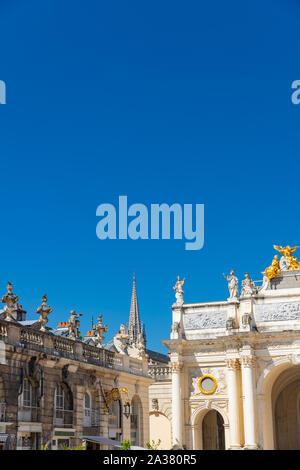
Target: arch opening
[(286, 410)]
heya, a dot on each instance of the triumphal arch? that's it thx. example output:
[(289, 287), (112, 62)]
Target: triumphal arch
[(234, 373)]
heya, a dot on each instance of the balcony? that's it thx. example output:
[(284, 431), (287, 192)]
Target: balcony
[(29, 414), (91, 418), (63, 418)]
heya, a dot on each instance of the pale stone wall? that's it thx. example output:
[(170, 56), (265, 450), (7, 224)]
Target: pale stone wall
[(250, 346), (160, 428), (161, 418)]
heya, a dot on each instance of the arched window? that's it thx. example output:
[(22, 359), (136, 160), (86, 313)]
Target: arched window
[(114, 415), (87, 417), (2, 401), (135, 422), (63, 403), (28, 401)]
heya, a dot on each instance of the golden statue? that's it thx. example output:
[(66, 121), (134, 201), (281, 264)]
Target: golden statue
[(273, 270), (287, 251)]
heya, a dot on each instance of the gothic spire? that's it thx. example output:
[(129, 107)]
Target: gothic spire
[(134, 327)]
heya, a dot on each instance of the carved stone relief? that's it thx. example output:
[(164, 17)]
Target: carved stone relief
[(205, 320), (218, 374), (278, 312)]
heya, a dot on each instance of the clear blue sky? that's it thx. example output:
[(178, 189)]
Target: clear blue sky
[(163, 101)]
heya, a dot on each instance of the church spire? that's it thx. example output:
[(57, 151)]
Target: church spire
[(134, 327)]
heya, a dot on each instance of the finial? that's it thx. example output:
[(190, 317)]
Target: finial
[(10, 300), (44, 311), (100, 329)]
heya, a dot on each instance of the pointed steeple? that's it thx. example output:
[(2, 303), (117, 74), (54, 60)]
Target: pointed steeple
[(134, 327)]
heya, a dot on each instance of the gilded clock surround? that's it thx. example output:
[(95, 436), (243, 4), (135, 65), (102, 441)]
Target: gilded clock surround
[(210, 392)]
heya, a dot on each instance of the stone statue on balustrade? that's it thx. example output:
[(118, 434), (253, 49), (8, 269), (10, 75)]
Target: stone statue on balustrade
[(248, 287), (121, 340), (43, 311), (73, 327), (10, 300), (233, 285), (179, 291), (140, 344), (138, 349)]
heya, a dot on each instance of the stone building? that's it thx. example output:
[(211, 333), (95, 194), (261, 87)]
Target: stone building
[(233, 381), (57, 388)]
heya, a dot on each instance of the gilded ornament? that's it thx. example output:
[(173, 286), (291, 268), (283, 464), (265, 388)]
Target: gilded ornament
[(287, 251), (211, 379), (273, 270)]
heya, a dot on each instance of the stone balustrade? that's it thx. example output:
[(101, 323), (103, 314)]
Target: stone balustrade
[(160, 372), (52, 344), (30, 336), (63, 345)]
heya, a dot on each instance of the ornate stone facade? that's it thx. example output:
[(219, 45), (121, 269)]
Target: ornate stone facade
[(54, 384), (237, 384)]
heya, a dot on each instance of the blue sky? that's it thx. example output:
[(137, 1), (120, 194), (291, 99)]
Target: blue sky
[(186, 102)]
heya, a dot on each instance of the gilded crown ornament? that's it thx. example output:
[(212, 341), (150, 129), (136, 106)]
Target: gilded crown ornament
[(286, 263)]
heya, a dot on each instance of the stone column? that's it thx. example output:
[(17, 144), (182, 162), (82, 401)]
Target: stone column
[(177, 408), (249, 404), (233, 367)]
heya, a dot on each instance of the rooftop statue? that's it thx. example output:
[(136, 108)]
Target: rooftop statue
[(10, 300), (179, 291), (121, 339), (73, 328), (233, 284), (286, 263), (44, 311), (273, 270), (248, 286)]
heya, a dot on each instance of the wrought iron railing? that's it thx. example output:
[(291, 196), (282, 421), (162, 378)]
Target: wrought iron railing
[(63, 418), (29, 414), (91, 418)]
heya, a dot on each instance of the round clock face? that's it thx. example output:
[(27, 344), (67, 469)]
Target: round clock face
[(207, 384)]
